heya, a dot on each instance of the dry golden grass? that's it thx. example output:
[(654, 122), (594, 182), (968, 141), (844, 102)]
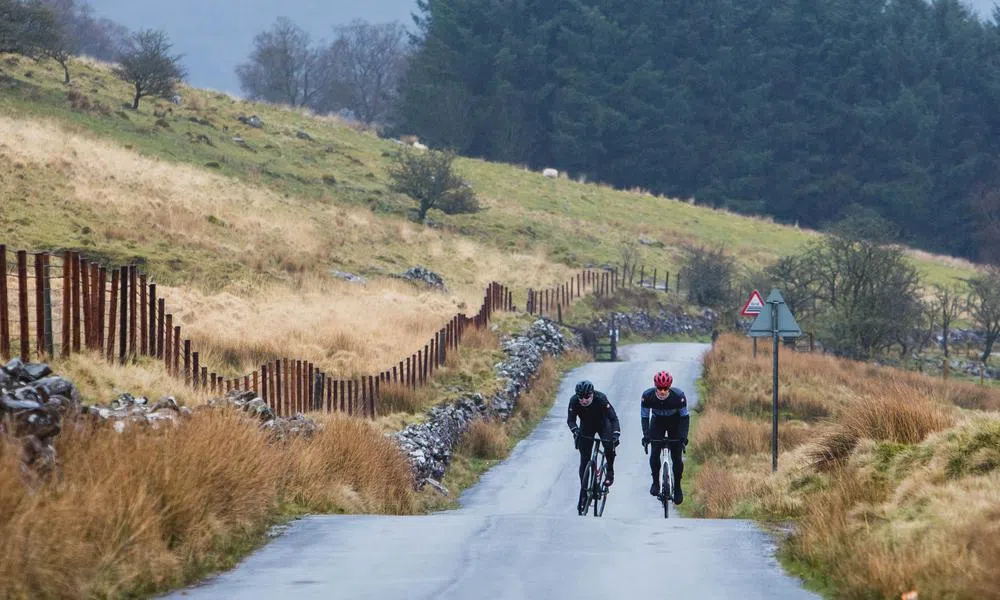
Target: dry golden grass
[(141, 511), (723, 434), (894, 490), (485, 439)]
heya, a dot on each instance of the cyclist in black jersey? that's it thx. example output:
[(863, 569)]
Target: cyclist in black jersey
[(596, 415), (665, 415)]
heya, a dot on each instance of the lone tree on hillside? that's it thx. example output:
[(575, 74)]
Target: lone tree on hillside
[(709, 273), (430, 179), (146, 63)]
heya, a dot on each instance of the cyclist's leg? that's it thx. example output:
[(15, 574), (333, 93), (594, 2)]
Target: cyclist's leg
[(654, 466), (676, 461)]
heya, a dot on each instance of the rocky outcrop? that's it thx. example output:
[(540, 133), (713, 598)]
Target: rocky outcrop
[(423, 275), (429, 445), (33, 406)]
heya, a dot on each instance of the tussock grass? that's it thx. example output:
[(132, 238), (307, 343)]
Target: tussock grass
[(485, 439), (894, 490), (722, 434), (145, 510)]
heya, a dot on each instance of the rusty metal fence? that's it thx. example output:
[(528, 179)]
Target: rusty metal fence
[(57, 304)]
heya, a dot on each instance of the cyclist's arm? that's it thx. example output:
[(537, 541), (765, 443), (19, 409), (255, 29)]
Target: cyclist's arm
[(571, 416), (644, 415), (684, 420), (616, 426)]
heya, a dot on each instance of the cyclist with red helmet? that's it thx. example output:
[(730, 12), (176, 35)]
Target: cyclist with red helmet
[(665, 415)]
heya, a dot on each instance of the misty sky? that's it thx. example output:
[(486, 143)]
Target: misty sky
[(216, 35)]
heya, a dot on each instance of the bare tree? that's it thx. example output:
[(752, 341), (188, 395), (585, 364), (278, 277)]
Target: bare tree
[(948, 304), (984, 307), (628, 250), (26, 28), (80, 33), (366, 61), (282, 67), (146, 63)]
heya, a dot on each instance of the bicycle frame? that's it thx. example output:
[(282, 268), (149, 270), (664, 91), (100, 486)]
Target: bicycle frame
[(594, 488), (666, 473)]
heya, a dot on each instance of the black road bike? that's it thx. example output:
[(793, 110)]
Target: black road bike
[(592, 488), (666, 473)]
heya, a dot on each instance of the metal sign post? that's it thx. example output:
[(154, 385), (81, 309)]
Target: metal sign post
[(775, 322)]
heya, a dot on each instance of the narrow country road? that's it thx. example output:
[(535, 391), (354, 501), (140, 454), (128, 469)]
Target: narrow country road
[(518, 535)]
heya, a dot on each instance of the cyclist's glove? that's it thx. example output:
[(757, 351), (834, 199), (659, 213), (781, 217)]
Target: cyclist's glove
[(576, 437), (645, 443), (617, 436)]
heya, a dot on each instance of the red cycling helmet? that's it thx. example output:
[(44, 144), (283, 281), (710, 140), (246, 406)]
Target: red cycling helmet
[(663, 380)]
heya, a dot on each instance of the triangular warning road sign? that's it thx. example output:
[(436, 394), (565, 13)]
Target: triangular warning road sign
[(754, 305)]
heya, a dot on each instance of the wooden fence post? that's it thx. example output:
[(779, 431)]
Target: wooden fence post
[(88, 305), (74, 258), (152, 320), (123, 281), (187, 362), (169, 354), (133, 298), (50, 349), (4, 316), (112, 309), (278, 389), (39, 303), (177, 349), (263, 389), (143, 321), (22, 304), (160, 324), (195, 370)]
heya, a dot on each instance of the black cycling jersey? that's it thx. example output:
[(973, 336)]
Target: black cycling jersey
[(599, 416)]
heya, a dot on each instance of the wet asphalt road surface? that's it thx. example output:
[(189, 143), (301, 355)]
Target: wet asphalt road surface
[(518, 534)]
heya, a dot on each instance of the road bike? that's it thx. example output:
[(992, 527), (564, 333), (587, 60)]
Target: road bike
[(666, 473), (592, 488)]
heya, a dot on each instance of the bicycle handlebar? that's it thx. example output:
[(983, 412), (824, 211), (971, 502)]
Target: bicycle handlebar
[(646, 447)]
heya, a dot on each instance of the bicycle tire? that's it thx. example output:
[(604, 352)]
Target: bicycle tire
[(668, 489), (602, 494), (588, 473)]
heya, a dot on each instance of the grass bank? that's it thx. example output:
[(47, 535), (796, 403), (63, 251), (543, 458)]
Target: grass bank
[(140, 512), (890, 477)]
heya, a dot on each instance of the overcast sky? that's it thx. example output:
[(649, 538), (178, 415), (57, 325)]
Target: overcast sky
[(216, 35)]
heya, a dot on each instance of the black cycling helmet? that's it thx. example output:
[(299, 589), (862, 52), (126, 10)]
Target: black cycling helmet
[(584, 388)]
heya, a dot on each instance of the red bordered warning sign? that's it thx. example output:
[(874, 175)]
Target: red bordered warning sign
[(754, 305)]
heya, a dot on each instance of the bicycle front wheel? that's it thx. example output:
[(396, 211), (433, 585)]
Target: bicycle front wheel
[(667, 489), (584, 503), (600, 493)]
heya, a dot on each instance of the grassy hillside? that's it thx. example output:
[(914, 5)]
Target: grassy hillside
[(566, 222), (242, 236), (892, 476)]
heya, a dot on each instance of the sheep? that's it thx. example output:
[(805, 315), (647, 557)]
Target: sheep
[(550, 173)]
